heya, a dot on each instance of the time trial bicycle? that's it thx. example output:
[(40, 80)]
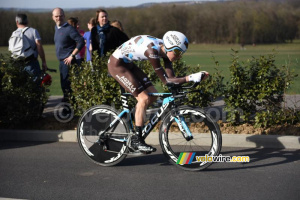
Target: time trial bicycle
[(186, 132)]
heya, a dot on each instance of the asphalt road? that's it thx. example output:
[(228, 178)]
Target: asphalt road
[(44, 171)]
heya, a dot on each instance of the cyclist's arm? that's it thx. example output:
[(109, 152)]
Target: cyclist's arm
[(171, 75), (169, 68), (164, 76), (197, 77)]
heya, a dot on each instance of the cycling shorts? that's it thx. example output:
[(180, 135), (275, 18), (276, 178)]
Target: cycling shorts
[(128, 75)]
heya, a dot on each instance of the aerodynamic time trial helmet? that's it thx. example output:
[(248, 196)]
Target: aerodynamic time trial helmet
[(174, 41)]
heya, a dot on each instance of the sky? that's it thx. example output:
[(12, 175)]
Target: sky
[(65, 4)]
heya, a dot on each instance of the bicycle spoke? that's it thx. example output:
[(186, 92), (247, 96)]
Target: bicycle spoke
[(203, 130)]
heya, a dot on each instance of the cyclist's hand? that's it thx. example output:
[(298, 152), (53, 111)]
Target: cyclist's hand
[(198, 77)]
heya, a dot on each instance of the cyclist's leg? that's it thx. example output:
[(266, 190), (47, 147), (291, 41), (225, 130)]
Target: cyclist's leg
[(144, 101), (152, 89), (136, 82)]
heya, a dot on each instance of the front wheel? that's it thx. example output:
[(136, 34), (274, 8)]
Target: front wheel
[(189, 155), (92, 123)]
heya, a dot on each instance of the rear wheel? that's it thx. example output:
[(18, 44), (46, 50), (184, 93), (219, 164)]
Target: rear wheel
[(91, 124), (207, 139)]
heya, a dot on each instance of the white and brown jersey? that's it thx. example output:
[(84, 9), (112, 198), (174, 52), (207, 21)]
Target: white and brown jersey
[(142, 47)]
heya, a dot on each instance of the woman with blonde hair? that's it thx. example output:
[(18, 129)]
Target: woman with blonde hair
[(117, 24)]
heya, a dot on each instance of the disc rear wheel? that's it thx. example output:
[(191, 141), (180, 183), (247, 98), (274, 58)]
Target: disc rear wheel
[(109, 151)]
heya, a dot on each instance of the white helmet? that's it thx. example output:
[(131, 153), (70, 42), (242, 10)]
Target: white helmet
[(175, 40)]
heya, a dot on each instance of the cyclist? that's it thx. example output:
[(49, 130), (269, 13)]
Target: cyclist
[(135, 81)]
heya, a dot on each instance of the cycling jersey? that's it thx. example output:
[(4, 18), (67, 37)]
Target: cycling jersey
[(136, 48)]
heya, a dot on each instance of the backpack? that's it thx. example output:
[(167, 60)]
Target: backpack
[(19, 45)]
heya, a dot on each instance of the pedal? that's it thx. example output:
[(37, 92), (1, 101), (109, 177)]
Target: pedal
[(134, 152)]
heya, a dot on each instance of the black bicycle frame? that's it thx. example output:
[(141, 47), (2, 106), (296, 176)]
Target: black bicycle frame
[(168, 103)]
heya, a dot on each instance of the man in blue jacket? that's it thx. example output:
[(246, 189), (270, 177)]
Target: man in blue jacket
[(68, 42)]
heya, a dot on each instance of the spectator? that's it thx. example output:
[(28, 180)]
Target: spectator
[(33, 36), (87, 38), (117, 24), (74, 21), (105, 37), (68, 42)]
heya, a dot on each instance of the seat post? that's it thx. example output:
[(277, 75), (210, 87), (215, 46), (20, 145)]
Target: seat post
[(124, 98)]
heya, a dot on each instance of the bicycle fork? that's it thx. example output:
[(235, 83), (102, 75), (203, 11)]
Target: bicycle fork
[(183, 127)]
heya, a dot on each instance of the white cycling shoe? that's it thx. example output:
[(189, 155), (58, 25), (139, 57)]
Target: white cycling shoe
[(138, 143)]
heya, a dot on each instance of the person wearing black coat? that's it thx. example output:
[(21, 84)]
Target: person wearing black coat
[(105, 37)]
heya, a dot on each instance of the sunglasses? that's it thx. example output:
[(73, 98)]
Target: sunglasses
[(178, 52)]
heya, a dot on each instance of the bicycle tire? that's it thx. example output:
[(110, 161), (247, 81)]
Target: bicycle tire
[(91, 123), (207, 139)]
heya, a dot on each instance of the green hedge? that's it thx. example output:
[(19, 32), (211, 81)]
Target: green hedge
[(91, 85), (255, 92), (21, 99)]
